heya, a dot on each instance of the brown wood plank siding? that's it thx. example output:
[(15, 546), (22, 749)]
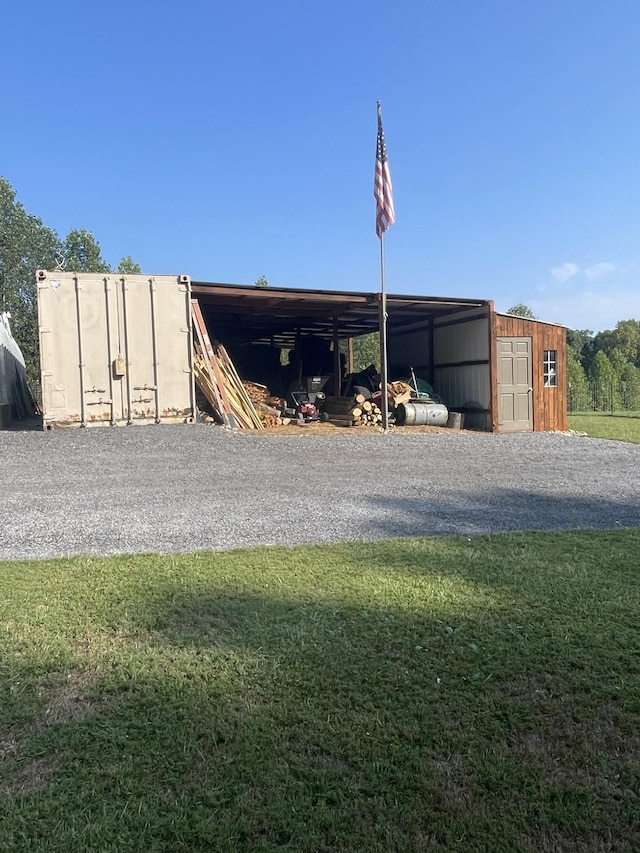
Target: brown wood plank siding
[(493, 370), (549, 404)]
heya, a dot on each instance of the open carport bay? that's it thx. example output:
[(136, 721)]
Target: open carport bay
[(198, 487)]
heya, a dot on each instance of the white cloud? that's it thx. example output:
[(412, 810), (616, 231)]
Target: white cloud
[(565, 272), (598, 270), (592, 309)]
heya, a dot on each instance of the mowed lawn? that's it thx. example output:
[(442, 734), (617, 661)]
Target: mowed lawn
[(428, 694), (619, 426)]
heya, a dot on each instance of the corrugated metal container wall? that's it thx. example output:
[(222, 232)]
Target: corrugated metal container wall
[(115, 349), (461, 362)]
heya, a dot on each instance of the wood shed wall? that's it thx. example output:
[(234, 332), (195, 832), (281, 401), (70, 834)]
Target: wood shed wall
[(549, 404)]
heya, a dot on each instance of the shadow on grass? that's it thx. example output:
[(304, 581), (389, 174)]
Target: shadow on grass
[(426, 697)]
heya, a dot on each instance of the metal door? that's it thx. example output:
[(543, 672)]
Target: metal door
[(515, 390), (115, 349)]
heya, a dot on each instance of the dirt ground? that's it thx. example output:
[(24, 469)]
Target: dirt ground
[(321, 428)]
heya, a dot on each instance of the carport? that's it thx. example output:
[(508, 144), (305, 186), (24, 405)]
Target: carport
[(504, 373)]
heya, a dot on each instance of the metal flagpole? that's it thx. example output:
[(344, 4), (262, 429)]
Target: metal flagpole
[(385, 216), (384, 403)]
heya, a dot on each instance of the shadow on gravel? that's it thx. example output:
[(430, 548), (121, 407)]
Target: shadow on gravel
[(497, 511)]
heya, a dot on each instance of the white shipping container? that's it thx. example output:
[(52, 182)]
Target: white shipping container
[(115, 349)]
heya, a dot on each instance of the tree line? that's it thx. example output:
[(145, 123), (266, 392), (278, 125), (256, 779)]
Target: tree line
[(603, 369), (27, 244), (608, 360)]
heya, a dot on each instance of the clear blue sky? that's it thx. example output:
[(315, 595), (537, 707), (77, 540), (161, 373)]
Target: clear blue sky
[(233, 140)]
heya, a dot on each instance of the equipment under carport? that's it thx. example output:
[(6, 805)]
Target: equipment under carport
[(306, 398)]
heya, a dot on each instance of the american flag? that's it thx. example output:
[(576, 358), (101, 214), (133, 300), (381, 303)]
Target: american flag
[(382, 189)]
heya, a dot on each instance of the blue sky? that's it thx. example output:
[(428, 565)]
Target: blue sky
[(235, 140)]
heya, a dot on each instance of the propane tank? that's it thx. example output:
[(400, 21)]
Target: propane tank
[(421, 412)]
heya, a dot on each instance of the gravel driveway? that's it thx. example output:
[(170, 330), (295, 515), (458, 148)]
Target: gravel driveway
[(185, 488)]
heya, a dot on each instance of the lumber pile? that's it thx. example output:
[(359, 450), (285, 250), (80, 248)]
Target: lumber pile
[(351, 411), (217, 378), (257, 393)]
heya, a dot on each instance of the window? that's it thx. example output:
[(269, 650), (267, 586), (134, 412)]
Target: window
[(550, 368)]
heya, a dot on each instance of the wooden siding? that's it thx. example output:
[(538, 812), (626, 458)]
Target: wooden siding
[(549, 404)]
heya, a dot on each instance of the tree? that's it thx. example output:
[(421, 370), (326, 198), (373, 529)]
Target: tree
[(366, 351), (26, 244), (521, 310), (630, 387), (81, 252), (603, 375), (626, 338), (579, 397), (128, 266), (579, 343), (262, 281)]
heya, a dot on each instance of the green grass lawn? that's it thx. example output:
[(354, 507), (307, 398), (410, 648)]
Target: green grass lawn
[(621, 426), (428, 694)]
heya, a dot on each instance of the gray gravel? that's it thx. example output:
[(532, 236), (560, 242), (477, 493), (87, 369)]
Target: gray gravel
[(193, 487)]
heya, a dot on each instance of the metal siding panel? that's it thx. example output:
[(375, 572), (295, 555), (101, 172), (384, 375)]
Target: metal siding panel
[(468, 341), (458, 386), (408, 350), (59, 357), (107, 317), (97, 393)]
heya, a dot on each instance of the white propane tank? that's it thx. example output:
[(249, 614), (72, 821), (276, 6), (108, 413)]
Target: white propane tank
[(422, 412)]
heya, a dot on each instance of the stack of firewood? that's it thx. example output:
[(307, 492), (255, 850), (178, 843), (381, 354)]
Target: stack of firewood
[(360, 411), (272, 416), (351, 411)]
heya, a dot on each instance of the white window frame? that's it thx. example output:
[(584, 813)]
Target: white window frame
[(550, 368)]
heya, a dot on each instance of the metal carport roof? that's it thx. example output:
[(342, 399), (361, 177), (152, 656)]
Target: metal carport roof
[(276, 315)]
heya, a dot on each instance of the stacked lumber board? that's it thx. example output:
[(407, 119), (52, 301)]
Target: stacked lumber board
[(217, 378)]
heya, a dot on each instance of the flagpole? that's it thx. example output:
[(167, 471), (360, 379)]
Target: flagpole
[(385, 216), (384, 403)]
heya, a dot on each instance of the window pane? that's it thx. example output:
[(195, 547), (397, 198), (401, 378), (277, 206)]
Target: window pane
[(550, 372)]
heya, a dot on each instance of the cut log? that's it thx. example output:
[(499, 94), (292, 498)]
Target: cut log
[(341, 420), (338, 406)]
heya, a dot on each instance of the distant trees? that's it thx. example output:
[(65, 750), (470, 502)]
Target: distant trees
[(610, 362), (521, 310), (27, 244), (128, 266), (366, 351), (81, 253)]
